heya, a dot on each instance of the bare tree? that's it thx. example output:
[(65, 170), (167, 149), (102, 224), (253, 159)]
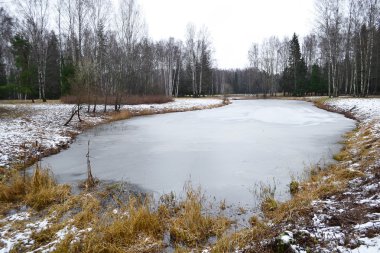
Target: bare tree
[(35, 19), (203, 51), (253, 56), (309, 50), (191, 56), (329, 22), (370, 8)]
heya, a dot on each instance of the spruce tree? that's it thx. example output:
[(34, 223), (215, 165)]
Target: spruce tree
[(296, 68), (315, 79), (53, 90), (27, 75), (3, 76)]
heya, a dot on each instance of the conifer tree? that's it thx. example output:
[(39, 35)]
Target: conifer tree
[(3, 77), (53, 89), (296, 67)]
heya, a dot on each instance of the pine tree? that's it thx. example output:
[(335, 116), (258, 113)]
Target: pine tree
[(53, 90)]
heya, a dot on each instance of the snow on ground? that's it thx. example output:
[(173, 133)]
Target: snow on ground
[(365, 109), (18, 228), (333, 224), (39, 127), (178, 105), (350, 222)]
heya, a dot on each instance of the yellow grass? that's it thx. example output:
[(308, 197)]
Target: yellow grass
[(38, 190), (191, 227), (120, 115)]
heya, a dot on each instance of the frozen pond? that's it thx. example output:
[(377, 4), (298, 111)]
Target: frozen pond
[(225, 150)]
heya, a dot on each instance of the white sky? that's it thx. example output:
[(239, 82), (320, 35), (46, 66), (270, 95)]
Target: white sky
[(233, 24)]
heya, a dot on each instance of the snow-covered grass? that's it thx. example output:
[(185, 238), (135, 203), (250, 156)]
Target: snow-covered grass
[(27, 130), (112, 219), (365, 109), (20, 228), (349, 221), (338, 208), (343, 220)]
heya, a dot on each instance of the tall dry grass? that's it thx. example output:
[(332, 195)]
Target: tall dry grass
[(38, 190), (192, 225), (136, 227), (140, 226)]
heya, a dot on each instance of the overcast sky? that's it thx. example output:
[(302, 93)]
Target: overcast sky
[(233, 24)]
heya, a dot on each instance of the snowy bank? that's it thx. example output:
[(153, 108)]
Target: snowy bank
[(29, 130), (365, 109), (348, 221)]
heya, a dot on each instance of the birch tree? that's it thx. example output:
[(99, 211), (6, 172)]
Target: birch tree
[(191, 56), (35, 19), (329, 24)]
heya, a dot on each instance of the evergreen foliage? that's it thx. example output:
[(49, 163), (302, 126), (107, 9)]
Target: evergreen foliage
[(52, 76)]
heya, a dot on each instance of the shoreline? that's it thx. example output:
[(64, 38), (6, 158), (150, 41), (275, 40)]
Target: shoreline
[(334, 209), (34, 150)]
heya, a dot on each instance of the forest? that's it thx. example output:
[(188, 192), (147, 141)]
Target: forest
[(95, 53)]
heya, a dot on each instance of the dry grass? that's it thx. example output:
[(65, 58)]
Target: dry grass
[(137, 100), (342, 156), (29, 101), (46, 235), (120, 115), (13, 187), (6, 113), (320, 184), (38, 190), (128, 100), (191, 227), (294, 187), (89, 214), (136, 228), (253, 237), (268, 205), (321, 103), (170, 110)]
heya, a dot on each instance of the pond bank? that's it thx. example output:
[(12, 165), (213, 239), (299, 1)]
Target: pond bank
[(32, 131), (336, 209)]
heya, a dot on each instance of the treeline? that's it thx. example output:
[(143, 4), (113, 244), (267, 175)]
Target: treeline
[(341, 56), (96, 54), (88, 49)]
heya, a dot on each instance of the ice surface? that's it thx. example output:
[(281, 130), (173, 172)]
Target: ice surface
[(44, 124), (226, 150)]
